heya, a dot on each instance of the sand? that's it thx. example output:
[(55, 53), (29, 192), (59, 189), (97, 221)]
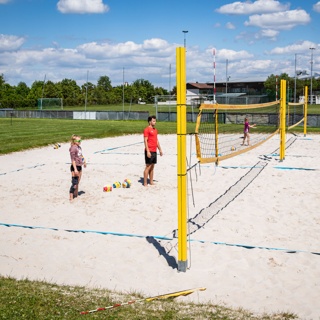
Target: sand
[(255, 228)]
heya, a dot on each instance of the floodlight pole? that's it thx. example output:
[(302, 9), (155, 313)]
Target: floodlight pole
[(44, 81), (311, 100), (184, 40), (227, 79), (295, 77), (86, 100), (170, 80), (123, 93)]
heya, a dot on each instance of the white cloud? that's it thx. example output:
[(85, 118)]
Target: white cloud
[(269, 33), (233, 55), (251, 38), (248, 7), (82, 6), (299, 47), (316, 7), (130, 50), (149, 60), (230, 26), (4, 1), (285, 20), (10, 43)]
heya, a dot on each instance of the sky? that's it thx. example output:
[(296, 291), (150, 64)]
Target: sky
[(127, 40)]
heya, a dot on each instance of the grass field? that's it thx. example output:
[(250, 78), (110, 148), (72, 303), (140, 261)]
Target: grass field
[(21, 134), (151, 108)]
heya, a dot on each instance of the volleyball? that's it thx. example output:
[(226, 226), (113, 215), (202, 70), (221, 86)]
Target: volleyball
[(107, 188), (126, 183), (116, 184), (233, 148)]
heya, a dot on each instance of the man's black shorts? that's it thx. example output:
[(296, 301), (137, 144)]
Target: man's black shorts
[(152, 160)]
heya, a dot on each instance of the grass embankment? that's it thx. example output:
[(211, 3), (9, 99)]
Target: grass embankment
[(40, 301)]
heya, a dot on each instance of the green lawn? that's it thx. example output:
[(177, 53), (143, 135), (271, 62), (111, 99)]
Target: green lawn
[(34, 300), (21, 134), (151, 108), (24, 133)]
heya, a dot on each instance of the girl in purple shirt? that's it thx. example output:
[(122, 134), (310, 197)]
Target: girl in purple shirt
[(246, 130)]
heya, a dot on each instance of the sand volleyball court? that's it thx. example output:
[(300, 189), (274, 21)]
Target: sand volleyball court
[(254, 223)]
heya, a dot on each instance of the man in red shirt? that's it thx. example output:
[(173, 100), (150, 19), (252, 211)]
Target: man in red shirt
[(151, 144)]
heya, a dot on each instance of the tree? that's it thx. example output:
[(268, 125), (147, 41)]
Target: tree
[(145, 90), (36, 90), (272, 85), (88, 91), (22, 90), (104, 83), (69, 91), (51, 90), (2, 82)]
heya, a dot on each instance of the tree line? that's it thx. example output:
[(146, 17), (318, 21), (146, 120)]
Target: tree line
[(295, 86), (103, 93)]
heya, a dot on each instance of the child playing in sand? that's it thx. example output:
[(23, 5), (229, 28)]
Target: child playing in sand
[(77, 161), (246, 130)]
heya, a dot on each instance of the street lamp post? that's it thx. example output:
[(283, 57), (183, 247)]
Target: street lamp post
[(227, 76), (295, 77), (311, 100), (227, 79), (184, 37), (123, 93), (86, 101)]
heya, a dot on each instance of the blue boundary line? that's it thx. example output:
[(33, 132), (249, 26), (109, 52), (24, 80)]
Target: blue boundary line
[(275, 167), (294, 168), (239, 167), (119, 147), (156, 237), (17, 170)]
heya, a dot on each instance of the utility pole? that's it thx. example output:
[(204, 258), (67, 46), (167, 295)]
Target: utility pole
[(311, 99), (295, 77), (184, 38)]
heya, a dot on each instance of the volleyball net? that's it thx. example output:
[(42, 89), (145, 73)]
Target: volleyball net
[(220, 129)]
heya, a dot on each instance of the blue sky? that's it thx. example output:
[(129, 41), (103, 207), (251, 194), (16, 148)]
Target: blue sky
[(127, 39)]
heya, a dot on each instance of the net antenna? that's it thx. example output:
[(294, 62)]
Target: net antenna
[(297, 113)]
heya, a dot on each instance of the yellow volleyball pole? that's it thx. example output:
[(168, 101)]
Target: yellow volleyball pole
[(181, 165), (305, 111), (283, 103)]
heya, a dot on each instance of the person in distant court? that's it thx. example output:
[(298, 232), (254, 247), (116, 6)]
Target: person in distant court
[(151, 144), (246, 134)]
